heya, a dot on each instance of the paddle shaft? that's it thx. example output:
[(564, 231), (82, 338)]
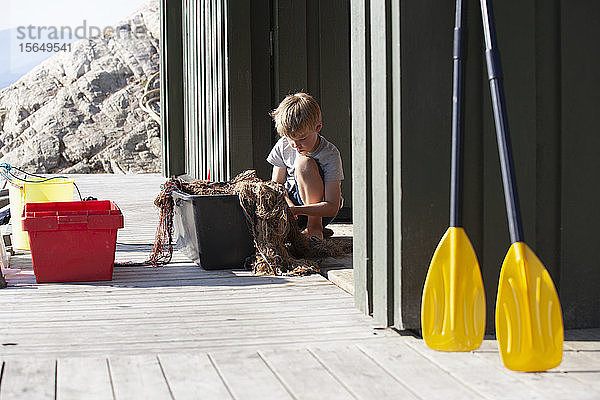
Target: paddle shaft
[(494, 69), (457, 120)]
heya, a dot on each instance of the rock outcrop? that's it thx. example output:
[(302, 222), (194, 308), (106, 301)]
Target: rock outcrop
[(78, 112)]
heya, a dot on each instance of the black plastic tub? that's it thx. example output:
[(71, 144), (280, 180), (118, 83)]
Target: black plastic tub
[(212, 230)]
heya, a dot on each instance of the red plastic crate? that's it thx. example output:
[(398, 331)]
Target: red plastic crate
[(72, 241)]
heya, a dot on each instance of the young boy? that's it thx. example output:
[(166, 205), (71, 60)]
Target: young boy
[(308, 165)]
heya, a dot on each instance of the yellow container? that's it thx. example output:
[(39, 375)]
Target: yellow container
[(34, 191)]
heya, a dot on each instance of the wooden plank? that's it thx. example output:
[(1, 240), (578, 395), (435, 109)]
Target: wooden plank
[(194, 281), (231, 329), (313, 49), (396, 169), (228, 323), (231, 299), (97, 295), (28, 378), (518, 43), (590, 345), (261, 85), (477, 374), (151, 301), (191, 376), (548, 120), (553, 385), (416, 372), (182, 333), (249, 319), (583, 366), (184, 338), (247, 376), (171, 49), (196, 95), (290, 53), (381, 173), (78, 378), (334, 85), (191, 317), (138, 377), (237, 96), (425, 119), (193, 272), (359, 374), (361, 151), (303, 376), (149, 309), (146, 302), (202, 290), (149, 346), (250, 282), (579, 102)]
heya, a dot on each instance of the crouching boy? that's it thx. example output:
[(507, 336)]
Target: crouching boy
[(307, 164)]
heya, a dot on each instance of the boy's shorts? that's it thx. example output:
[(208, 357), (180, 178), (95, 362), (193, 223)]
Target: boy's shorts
[(294, 195)]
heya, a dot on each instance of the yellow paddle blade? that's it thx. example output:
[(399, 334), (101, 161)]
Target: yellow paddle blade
[(529, 325), (453, 302)]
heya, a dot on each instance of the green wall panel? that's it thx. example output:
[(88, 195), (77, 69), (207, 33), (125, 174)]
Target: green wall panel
[(580, 194), (551, 89)]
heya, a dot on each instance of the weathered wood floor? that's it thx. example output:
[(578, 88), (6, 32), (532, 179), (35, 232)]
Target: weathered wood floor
[(180, 332)]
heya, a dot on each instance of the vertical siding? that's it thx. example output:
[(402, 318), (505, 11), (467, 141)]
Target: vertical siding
[(261, 82), (333, 82), (312, 54), (382, 162), (215, 45), (376, 151), (360, 46), (172, 92), (243, 142), (396, 150), (580, 168)]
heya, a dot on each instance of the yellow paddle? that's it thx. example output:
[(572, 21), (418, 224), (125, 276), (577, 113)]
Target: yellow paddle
[(529, 324), (453, 302)]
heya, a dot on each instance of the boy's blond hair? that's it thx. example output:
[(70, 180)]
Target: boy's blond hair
[(296, 114)]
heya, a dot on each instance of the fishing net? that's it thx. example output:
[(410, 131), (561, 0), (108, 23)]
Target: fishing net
[(281, 249)]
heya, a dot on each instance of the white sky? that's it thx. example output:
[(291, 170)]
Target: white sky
[(65, 12), (51, 13)]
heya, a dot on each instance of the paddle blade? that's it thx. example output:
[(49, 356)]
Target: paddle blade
[(453, 302), (529, 325)]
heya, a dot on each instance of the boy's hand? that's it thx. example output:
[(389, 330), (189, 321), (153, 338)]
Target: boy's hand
[(294, 211), (291, 206)]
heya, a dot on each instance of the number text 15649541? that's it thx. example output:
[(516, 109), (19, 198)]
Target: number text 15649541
[(44, 47)]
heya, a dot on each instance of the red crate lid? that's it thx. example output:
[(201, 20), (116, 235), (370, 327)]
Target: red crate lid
[(98, 214)]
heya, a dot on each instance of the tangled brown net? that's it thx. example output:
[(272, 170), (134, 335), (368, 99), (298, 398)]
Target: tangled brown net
[(280, 247)]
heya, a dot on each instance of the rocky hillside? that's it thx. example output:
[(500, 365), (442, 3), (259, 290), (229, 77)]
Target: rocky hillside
[(78, 112)]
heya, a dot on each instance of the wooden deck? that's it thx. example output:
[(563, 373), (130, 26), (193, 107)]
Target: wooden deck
[(180, 332)]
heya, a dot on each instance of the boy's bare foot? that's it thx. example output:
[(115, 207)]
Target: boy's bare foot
[(318, 233)]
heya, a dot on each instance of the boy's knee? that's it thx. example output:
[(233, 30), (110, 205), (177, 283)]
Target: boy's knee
[(305, 165)]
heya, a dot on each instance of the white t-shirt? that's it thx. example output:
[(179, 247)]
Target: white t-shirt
[(326, 155)]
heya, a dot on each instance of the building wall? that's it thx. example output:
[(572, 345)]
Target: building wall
[(551, 92), (400, 105)]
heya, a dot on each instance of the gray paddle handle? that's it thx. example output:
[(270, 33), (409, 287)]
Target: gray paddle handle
[(457, 120), (494, 69)]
